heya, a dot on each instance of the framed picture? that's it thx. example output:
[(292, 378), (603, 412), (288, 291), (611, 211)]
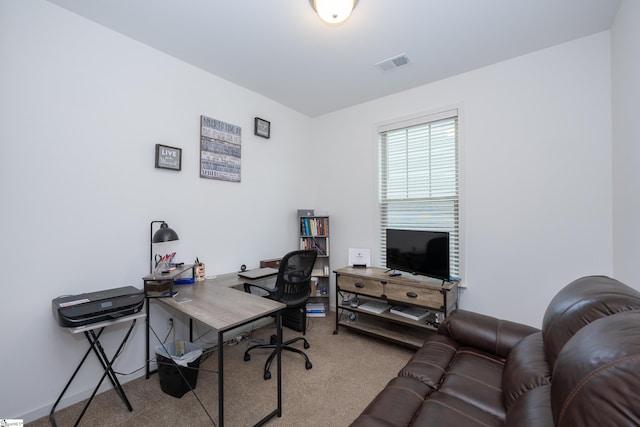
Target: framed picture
[(262, 128), (168, 157), (220, 150)]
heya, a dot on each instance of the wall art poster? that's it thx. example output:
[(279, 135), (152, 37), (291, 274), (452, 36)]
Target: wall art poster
[(220, 149), (168, 157)]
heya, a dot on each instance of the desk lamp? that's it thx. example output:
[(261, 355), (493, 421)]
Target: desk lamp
[(164, 234)]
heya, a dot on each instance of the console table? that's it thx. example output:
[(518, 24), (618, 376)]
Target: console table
[(374, 284)]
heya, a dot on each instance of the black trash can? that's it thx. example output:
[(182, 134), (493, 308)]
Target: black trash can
[(178, 364)]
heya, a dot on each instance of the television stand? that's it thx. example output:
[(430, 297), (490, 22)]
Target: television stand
[(376, 286)]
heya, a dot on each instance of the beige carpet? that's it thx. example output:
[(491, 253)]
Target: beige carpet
[(349, 369)]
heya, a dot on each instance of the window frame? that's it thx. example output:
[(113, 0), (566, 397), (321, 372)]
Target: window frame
[(457, 270)]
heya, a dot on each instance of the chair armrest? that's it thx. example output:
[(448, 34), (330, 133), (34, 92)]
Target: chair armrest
[(486, 333), (264, 291)]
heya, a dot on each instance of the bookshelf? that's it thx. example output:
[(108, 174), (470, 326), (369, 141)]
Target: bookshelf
[(314, 234)]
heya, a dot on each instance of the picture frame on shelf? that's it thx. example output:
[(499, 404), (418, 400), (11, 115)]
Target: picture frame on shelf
[(262, 128), (168, 157)]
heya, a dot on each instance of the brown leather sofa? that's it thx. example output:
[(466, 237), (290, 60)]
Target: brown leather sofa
[(582, 368)]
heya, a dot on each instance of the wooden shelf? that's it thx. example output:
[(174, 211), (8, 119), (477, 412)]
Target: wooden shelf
[(393, 332), (172, 274), (372, 284), (386, 315), (159, 285)]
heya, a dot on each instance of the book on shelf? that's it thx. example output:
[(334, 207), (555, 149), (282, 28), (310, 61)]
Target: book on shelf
[(314, 226), (316, 314), (316, 307), (321, 245), (374, 307), (413, 313)]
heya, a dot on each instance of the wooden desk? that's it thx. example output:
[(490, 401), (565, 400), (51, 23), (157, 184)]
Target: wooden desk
[(217, 304)]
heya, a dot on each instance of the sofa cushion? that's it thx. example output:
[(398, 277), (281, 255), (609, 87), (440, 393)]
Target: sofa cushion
[(396, 404), (595, 379), (475, 377), (580, 303), (430, 362), (526, 369), (484, 332), (445, 410), (532, 409)]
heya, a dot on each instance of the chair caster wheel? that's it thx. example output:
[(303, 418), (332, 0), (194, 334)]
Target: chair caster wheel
[(247, 357), (267, 375), (306, 345), (308, 365)]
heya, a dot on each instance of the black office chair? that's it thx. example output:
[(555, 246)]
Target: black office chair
[(293, 289)]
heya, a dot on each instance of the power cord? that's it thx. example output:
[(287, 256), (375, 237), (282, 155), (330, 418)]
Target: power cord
[(239, 338)]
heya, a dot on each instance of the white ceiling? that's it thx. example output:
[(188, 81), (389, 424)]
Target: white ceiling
[(282, 50)]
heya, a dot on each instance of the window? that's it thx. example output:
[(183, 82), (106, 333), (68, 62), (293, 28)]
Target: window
[(418, 179)]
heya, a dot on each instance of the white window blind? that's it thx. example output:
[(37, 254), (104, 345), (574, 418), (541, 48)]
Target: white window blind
[(418, 182)]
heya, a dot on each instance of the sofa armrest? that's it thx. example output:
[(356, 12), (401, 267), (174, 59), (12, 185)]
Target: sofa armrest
[(484, 332)]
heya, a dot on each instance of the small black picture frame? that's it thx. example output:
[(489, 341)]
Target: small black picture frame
[(168, 157), (262, 128)]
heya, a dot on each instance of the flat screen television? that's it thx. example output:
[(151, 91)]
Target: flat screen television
[(419, 252)]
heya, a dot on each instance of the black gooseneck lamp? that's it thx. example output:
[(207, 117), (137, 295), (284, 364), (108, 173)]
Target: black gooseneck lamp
[(163, 234)]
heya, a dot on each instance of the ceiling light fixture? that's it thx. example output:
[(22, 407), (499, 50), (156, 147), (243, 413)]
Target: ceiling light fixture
[(333, 11)]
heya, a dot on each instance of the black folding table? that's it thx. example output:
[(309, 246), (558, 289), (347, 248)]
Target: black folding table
[(93, 332)]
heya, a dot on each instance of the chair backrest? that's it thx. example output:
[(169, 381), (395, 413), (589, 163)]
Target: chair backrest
[(294, 276)]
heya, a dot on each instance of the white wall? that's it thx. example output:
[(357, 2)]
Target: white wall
[(536, 167), (625, 35), (81, 110)]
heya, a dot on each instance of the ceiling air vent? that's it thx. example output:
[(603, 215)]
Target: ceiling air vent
[(392, 63)]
